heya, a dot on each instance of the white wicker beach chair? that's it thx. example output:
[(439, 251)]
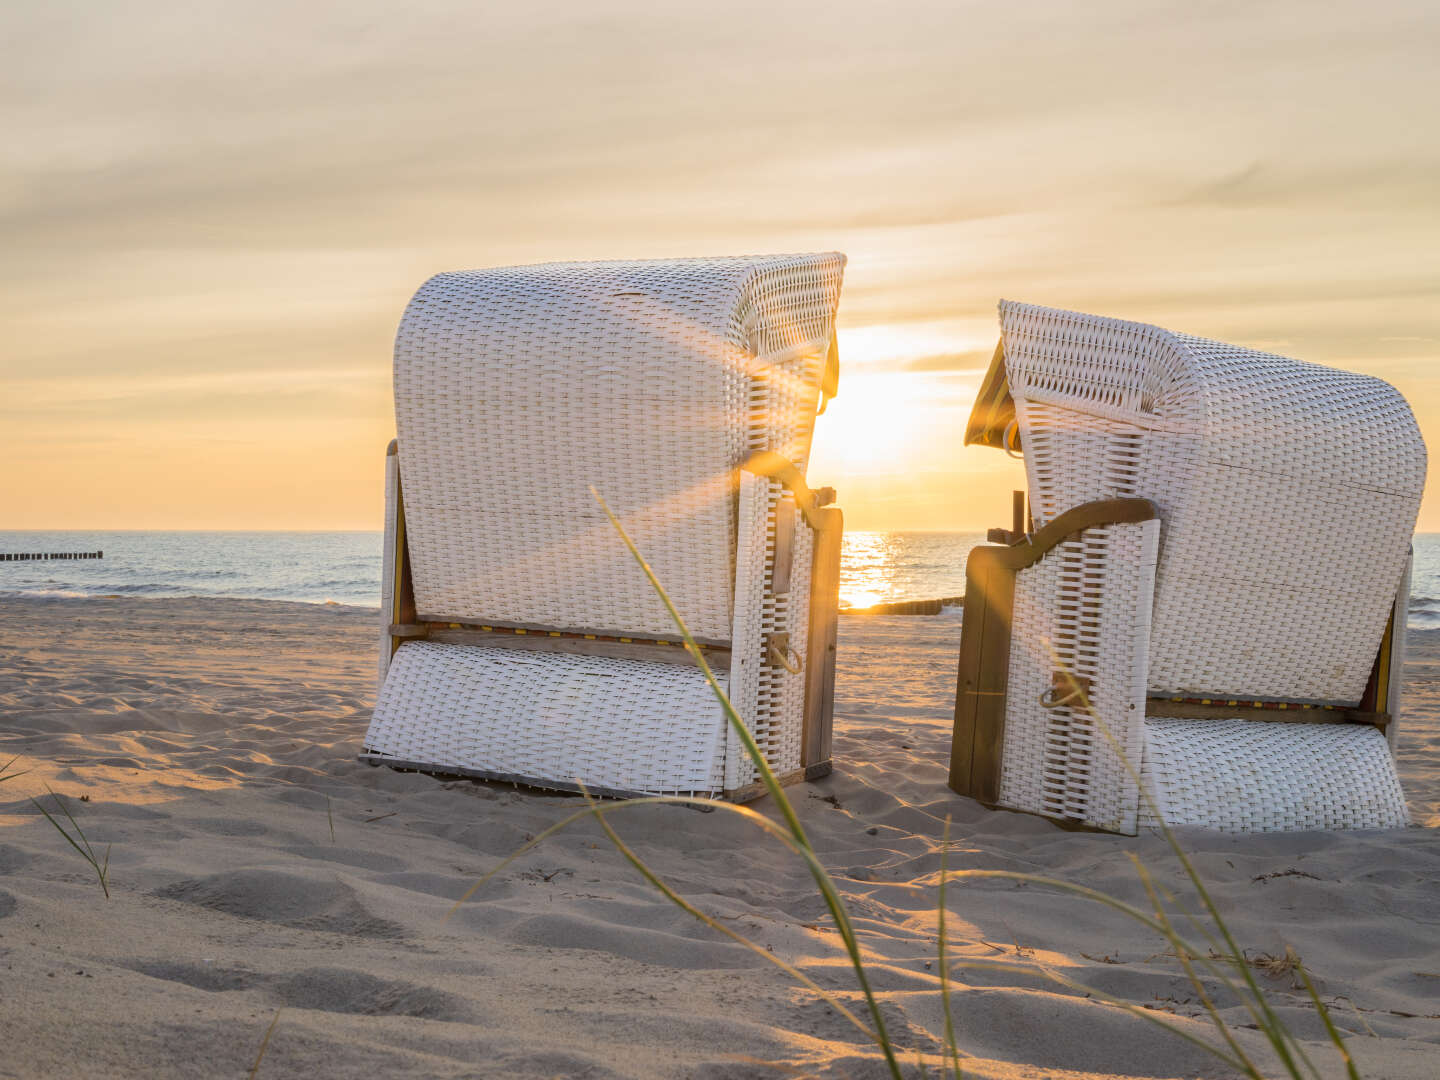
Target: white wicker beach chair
[(1213, 607), (523, 643)]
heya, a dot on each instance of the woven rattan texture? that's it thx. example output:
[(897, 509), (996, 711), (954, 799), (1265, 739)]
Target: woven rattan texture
[(1023, 782), (518, 388), (781, 419), (787, 688), (1083, 609), (626, 725), (1288, 493), (780, 692), (747, 648), (1254, 776)]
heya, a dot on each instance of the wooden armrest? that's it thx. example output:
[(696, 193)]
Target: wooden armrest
[(776, 467), (1076, 519)]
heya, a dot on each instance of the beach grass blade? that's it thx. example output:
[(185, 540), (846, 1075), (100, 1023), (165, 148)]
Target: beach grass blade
[(1330, 1029), (1282, 1040), (1138, 1011), (1185, 953), (599, 810), (684, 905), (772, 785), (265, 1043), (952, 1051), (102, 869), (6, 774)]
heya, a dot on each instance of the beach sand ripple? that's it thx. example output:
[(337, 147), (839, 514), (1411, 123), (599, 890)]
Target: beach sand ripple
[(213, 743)]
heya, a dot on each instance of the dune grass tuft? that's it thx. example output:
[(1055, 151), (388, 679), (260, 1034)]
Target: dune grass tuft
[(1216, 954)]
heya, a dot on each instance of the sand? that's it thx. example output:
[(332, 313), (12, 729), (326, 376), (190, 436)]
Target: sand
[(215, 741)]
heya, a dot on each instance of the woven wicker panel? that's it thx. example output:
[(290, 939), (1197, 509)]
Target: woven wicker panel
[(1254, 776), (1073, 458), (516, 389), (1315, 601), (625, 725), (787, 687), (780, 417), (1084, 609), (1288, 493), (1023, 766), (747, 649)]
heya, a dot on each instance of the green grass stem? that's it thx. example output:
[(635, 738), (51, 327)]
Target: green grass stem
[(102, 869), (952, 1050), (6, 774), (1282, 1040), (772, 785), (265, 1043)]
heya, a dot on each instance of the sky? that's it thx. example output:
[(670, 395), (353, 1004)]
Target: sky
[(212, 214)]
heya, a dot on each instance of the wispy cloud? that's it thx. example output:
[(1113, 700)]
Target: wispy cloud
[(220, 192)]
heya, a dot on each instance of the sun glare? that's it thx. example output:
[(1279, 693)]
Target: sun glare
[(867, 426), (901, 389), (892, 422)]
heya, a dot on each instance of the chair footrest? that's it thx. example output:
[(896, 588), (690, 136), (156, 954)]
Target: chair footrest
[(550, 720), (1257, 776)]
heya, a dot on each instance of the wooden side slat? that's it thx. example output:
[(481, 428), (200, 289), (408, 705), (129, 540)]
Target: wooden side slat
[(1399, 616), (402, 597), (1293, 714), (967, 682), (979, 739), (994, 674), (817, 725), (1377, 687), (441, 619), (718, 659), (751, 792)]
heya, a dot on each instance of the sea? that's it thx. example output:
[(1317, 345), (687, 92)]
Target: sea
[(344, 567)]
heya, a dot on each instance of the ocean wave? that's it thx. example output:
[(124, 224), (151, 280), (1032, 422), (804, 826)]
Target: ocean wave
[(1424, 613), (46, 594), (146, 593)]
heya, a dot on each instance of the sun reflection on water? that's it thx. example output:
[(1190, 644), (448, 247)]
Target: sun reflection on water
[(879, 567), (867, 569)]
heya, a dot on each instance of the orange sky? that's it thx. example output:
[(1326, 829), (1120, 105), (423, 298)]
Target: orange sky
[(213, 214)]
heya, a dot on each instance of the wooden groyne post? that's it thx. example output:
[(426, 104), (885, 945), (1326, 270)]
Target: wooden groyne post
[(33, 556)]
